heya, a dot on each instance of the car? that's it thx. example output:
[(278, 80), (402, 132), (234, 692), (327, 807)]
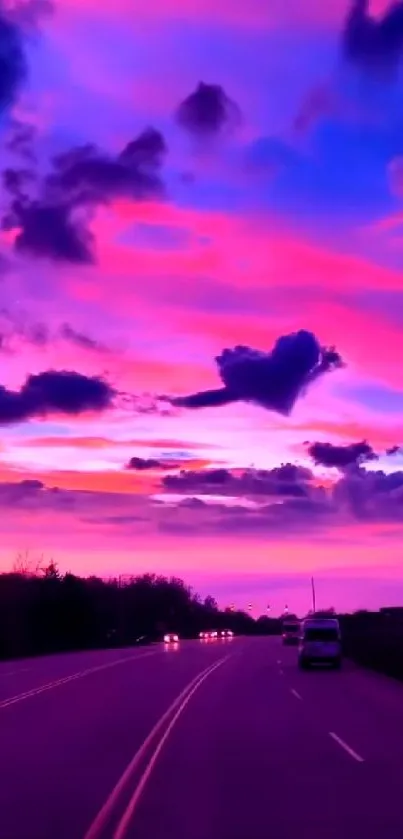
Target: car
[(207, 635), (320, 643), (171, 638), (226, 633), (291, 632)]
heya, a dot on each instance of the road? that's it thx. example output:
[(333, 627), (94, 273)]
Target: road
[(216, 740)]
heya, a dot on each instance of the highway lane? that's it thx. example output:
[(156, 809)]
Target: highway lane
[(62, 749), (252, 747), (28, 674), (262, 749)]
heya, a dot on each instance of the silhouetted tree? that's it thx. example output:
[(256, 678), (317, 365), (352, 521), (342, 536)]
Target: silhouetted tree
[(49, 612)]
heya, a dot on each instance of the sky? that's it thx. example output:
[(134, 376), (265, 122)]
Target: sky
[(201, 295)]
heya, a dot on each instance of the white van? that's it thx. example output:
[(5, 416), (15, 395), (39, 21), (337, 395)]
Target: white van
[(320, 642)]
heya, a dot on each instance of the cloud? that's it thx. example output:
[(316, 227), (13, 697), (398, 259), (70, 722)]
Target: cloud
[(16, 20), (374, 45), (17, 326), (54, 223), (142, 464), (208, 111), (91, 177), (372, 496), (13, 66), (80, 339), (286, 480), (327, 454), (63, 391), (50, 230), (21, 139), (274, 380), (358, 497)]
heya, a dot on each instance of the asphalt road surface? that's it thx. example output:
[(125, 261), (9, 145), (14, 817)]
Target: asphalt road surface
[(209, 740)]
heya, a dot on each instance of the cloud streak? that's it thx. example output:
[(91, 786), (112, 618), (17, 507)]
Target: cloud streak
[(286, 480)]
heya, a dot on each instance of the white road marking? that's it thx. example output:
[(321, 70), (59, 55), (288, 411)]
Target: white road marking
[(101, 819), (124, 824), (12, 700), (346, 747), (296, 694)]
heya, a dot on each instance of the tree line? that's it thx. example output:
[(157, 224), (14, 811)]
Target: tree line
[(43, 611)]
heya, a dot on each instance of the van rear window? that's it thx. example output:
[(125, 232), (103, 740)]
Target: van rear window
[(321, 634)]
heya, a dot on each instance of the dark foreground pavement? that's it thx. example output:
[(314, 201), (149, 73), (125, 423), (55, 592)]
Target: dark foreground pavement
[(250, 746)]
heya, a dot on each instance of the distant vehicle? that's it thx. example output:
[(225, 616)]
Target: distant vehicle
[(320, 642), (171, 638), (208, 635), (226, 633), (142, 639), (291, 631)]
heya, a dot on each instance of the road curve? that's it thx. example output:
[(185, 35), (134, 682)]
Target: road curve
[(206, 741)]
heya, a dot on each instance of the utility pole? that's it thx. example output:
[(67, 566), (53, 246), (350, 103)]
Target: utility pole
[(313, 595)]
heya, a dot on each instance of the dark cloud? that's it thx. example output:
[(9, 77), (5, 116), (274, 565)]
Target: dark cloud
[(13, 66), (371, 496), (91, 177), (54, 223), (63, 391), (286, 480), (374, 45), (142, 464), (341, 457), (394, 450), (16, 21), (346, 456), (50, 230), (274, 380), (208, 111)]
